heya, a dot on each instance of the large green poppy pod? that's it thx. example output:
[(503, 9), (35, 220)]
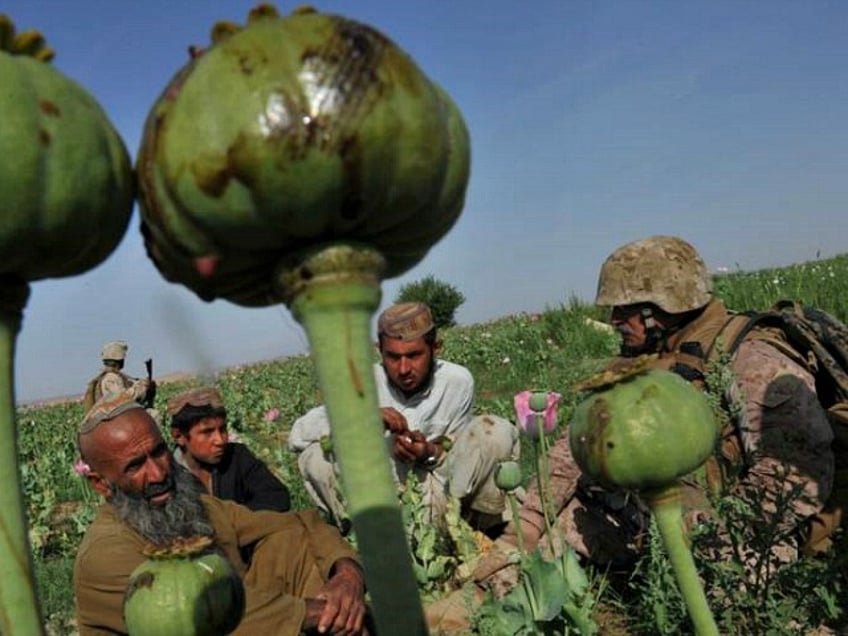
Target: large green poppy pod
[(643, 431), (289, 133), (186, 589), (66, 186), (66, 194)]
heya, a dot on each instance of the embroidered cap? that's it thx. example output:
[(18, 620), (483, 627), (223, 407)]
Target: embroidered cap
[(107, 408), (405, 321), (204, 399)]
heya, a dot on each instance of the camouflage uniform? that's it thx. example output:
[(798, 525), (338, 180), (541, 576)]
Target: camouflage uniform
[(782, 443), (113, 381)]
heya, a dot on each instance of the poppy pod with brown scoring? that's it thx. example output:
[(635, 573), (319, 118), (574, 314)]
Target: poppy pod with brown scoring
[(290, 132), (643, 432)]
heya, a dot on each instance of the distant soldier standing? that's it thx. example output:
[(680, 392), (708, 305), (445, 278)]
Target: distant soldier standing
[(112, 379)]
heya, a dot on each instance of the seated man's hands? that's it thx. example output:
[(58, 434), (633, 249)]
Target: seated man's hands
[(411, 446), (393, 420), (339, 608)]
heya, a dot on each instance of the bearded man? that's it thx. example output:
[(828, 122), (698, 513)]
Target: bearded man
[(302, 576)]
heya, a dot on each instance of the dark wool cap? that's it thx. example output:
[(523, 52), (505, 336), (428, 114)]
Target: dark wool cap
[(204, 398)]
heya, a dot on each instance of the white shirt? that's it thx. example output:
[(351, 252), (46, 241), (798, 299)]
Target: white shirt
[(443, 408)]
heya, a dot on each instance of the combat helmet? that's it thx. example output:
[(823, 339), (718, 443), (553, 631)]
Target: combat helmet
[(663, 270), (114, 351)]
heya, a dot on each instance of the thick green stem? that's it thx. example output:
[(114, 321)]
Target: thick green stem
[(543, 477), (19, 610), (667, 510), (334, 294), (513, 504)]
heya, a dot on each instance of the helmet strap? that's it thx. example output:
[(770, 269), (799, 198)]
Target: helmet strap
[(655, 333)]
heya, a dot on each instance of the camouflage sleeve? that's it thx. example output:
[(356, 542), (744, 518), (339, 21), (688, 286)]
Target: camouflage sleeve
[(785, 433)]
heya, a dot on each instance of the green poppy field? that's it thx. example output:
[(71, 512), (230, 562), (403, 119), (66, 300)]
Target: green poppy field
[(552, 349)]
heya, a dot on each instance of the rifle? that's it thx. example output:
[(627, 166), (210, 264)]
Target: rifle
[(150, 396)]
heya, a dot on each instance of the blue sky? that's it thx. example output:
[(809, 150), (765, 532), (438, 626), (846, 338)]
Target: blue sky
[(592, 124)]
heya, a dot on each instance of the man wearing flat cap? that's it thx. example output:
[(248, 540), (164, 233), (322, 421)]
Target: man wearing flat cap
[(226, 469), (302, 577), (427, 409), (112, 378)]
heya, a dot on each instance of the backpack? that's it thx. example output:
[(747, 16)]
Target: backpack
[(92, 390), (90, 395), (821, 341)]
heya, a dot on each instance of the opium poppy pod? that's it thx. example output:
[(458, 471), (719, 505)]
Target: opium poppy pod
[(184, 589), (66, 195), (643, 431), (301, 160), (66, 186), (294, 132)]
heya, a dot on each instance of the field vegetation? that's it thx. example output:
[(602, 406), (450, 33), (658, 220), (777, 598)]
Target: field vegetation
[(552, 350)]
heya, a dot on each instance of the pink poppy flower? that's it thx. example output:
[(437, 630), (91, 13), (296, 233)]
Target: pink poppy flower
[(535, 408), (272, 415), (81, 468)]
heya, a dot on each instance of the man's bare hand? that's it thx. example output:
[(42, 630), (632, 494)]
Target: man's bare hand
[(410, 447), (340, 604), (393, 420)]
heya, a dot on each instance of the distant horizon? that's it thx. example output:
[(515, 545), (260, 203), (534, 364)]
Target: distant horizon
[(189, 374)]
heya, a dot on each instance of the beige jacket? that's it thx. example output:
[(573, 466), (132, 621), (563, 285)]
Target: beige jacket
[(293, 556)]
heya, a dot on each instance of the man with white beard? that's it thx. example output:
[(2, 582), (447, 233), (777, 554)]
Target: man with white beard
[(303, 577)]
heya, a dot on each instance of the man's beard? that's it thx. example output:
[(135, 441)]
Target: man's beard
[(181, 516)]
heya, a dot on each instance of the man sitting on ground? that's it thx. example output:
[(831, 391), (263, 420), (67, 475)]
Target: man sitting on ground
[(227, 470), (303, 576), (426, 407)]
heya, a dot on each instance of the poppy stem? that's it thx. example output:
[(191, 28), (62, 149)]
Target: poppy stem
[(19, 608)]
